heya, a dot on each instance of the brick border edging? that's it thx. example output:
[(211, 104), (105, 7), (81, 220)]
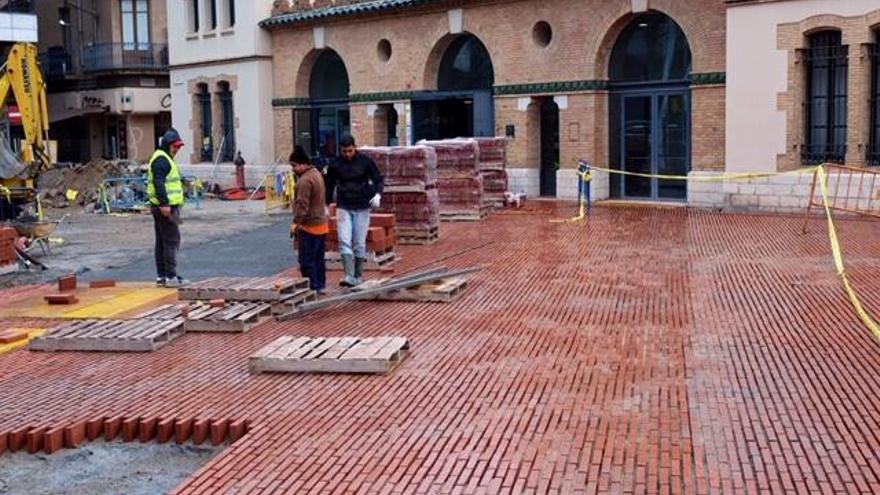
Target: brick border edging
[(52, 438)]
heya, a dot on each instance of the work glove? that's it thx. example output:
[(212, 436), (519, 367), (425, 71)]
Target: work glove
[(374, 203)]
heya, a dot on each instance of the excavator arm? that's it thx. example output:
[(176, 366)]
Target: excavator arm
[(21, 75)]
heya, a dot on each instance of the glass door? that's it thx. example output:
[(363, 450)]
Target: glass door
[(655, 140), (637, 138)]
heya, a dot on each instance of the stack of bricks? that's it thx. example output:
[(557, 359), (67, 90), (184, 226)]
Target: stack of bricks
[(410, 174), (459, 183), (8, 235), (493, 169), (381, 241)]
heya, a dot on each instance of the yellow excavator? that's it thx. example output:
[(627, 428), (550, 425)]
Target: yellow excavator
[(21, 76)]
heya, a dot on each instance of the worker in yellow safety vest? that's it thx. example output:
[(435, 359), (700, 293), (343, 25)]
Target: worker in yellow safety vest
[(165, 193)]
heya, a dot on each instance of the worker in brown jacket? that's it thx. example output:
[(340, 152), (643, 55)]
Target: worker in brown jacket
[(310, 225)]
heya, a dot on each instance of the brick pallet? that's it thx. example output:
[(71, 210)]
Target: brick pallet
[(458, 179), (330, 355), (493, 169), (110, 336), (201, 317), (269, 289), (410, 194), (381, 241)]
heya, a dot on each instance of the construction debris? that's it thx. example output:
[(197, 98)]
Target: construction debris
[(83, 181)]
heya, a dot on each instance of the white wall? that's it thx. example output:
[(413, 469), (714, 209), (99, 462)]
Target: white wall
[(757, 73), (251, 103), (244, 39), (18, 27)]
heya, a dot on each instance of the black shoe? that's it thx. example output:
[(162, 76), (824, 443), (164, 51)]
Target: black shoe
[(160, 281)]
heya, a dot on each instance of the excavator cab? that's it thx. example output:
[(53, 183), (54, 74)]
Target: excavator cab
[(20, 75)]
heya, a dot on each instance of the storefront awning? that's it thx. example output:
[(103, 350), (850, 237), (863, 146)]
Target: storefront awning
[(70, 113)]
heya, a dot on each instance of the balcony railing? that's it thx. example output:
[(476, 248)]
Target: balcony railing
[(56, 63), (125, 56)]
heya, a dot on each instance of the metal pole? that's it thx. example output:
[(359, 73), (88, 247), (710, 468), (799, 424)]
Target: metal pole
[(370, 293)]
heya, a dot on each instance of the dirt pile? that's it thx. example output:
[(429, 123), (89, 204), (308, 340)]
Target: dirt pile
[(85, 178)]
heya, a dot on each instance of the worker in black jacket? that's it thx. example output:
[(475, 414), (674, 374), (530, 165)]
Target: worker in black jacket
[(165, 193), (356, 183)]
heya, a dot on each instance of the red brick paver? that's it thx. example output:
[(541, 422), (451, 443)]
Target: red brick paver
[(646, 351)]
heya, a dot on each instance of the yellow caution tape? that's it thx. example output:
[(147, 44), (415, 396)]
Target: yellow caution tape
[(832, 231), (708, 178), (838, 259)]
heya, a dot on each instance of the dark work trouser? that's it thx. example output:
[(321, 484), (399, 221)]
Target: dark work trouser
[(167, 241), (311, 259)]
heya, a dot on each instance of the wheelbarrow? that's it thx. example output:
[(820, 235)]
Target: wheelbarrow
[(38, 232)]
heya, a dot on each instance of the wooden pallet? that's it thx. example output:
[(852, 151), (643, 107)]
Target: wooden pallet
[(330, 355), (417, 236), (268, 289), (465, 215), (375, 261), (110, 336), (445, 290), (201, 317), (290, 302)]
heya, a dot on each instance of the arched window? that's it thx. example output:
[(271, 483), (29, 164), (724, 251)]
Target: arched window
[(466, 65), (329, 115), (227, 122), (329, 81), (652, 48), (203, 102), (826, 66)]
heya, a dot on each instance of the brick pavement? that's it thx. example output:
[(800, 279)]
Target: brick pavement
[(648, 351)]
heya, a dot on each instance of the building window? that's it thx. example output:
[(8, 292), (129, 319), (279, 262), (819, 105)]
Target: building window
[(874, 148), (135, 24), (826, 64), (230, 13), (227, 123), (212, 14), (193, 13), (203, 99)]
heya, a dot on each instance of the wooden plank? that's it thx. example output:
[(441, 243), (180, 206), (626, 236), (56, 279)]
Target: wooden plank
[(364, 349), (341, 347), (319, 350), (268, 349), (295, 351)]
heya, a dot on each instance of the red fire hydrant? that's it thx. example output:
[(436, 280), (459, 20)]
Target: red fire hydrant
[(239, 171)]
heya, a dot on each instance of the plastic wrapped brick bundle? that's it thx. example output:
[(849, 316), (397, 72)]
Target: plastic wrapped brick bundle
[(493, 153), (494, 181), (413, 165), (458, 194), (410, 166), (455, 157), (413, 210)]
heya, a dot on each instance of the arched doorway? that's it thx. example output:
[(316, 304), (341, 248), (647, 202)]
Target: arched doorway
[(462, 105), (330, 116), (650, 108)]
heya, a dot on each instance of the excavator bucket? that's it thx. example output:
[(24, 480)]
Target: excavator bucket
[(10, 165)]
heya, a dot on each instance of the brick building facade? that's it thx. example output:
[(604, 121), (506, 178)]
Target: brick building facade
[(555, 51), (636, 84)]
